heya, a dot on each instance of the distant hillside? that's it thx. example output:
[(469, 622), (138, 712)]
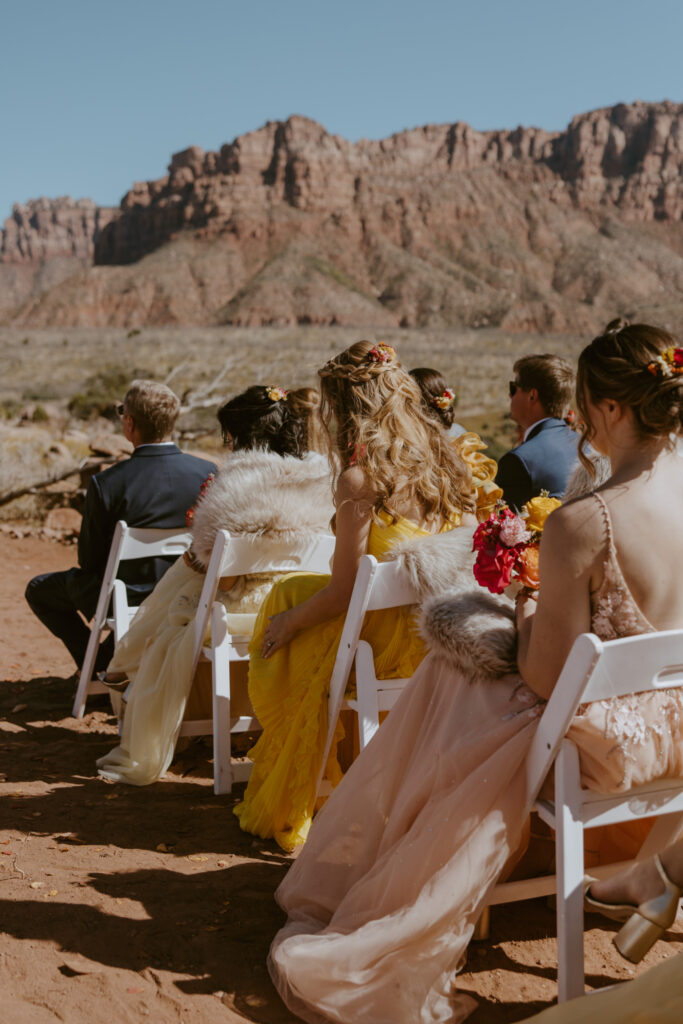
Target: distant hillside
[(437, 226)]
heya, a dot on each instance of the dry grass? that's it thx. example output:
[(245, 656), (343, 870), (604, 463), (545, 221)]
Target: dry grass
[(210, 364)]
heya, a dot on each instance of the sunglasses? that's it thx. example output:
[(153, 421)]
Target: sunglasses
[(514, 387)]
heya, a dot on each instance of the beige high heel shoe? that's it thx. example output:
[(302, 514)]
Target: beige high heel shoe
[(650, 921)]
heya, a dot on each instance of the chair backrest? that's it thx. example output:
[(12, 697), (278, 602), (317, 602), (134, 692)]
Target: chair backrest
[(149, 542), (378, 585), (599, 670), (236, 556), (131, 542)]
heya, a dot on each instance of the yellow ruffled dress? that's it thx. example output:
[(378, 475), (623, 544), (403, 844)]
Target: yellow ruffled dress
[(289, 695), (289, 690), (471, 447)]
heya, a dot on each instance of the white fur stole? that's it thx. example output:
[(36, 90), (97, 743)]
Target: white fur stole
[(260, 493)]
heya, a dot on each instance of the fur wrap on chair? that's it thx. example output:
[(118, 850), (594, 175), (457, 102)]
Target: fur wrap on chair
[(261, 493), (459, 620)]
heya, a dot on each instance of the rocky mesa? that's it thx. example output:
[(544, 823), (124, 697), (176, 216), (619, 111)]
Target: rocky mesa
[(439, 225)]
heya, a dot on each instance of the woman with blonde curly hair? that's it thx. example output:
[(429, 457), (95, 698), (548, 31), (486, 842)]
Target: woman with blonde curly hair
[(397, 477)]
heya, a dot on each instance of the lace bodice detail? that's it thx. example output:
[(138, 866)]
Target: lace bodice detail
[(625, 741), (614, 613)]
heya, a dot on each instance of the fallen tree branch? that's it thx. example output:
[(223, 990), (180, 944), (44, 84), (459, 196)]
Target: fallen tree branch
[(35, 487)]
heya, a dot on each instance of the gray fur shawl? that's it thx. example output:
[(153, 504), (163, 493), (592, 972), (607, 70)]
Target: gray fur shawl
[(258, 492), (460, 620)]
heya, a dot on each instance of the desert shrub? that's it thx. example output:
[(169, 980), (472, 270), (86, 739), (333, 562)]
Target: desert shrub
[(40, 414), (40, 393), (133, 332), (9, 409), (101, 393)]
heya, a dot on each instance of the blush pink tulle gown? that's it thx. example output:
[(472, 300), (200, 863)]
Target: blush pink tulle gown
[(383, 899)]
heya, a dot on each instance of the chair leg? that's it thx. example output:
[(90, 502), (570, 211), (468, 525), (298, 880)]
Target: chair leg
[(222, 771), (482, 928), (85, 677), (366, 687), (570, 965)]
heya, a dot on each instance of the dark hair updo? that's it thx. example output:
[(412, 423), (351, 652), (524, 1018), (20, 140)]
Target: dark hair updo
[(267, 417), (432, 384), (622, 365)]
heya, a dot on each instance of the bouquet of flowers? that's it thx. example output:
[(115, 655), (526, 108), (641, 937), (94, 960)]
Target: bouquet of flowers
[(507, 544)]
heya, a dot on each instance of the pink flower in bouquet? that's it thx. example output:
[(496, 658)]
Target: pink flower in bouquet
[(493, 569), (486, 534), (513, 531)]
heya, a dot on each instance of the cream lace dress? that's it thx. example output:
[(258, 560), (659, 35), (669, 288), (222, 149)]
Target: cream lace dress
[(382, 900)]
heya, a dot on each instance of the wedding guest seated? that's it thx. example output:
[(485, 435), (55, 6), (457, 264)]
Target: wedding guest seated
[(540, 397), (439, 397), (271, 485), (383, 899), (439, 402), (398, 477), (153, 488)]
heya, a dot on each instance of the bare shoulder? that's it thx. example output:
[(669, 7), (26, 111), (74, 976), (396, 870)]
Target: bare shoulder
[(352, 485), (576, 530)]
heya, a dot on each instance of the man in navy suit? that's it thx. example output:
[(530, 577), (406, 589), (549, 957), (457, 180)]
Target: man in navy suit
[(540, 397), (153, 488)]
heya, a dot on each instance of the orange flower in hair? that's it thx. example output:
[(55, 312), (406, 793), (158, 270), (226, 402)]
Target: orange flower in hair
[(276, 394)]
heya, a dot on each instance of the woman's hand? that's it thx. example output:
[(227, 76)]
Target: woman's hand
[(279, 631), (525, 605)]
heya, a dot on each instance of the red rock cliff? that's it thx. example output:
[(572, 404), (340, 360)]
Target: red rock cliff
[(436, 225)]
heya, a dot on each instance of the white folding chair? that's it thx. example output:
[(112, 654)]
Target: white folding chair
[(237, 556), (127, 543), (378, 585), (594, 670)]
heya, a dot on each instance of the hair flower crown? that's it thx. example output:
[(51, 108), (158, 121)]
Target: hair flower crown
[(276, 394), (382, 353), (668, 363), (445, 399)]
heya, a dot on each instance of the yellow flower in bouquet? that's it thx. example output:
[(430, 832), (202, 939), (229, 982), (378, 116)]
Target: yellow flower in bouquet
[(537, 510)]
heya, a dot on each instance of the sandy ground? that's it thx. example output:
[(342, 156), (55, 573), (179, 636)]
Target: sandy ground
[(150, 904)]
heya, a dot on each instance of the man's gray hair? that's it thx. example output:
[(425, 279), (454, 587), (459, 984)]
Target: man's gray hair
[(154, 409)]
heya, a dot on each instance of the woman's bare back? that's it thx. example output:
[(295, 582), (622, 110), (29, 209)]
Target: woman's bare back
[(645, 513)]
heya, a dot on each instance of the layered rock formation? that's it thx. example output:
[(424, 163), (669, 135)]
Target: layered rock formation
[(45, 242), (524, 229)]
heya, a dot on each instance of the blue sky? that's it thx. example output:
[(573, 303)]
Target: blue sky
[(97, 95)]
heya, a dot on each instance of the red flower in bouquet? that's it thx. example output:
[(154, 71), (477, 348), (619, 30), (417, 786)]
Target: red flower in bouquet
[(507, 544), (494, 567)]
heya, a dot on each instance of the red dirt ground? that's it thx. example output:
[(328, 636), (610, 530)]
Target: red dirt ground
[(150, 904)]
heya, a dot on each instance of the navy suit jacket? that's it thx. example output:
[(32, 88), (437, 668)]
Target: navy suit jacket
[(544, 462), (154, 488)]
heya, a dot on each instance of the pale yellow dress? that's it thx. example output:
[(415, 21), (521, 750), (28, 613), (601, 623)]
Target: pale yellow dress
[(157, 653), (289, 691)]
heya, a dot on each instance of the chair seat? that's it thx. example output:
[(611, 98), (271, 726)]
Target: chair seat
[(660, 796)]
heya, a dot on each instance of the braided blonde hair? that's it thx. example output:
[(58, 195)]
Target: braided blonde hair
[(377, 410)]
